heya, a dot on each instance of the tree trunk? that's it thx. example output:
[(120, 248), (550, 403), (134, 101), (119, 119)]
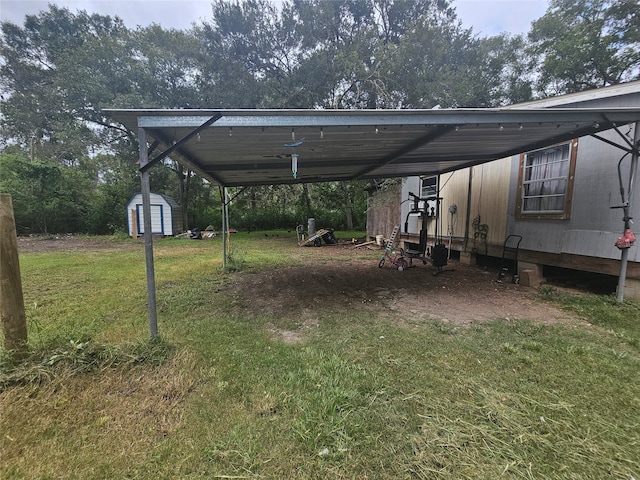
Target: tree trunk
[(253, 199), (348, 210), (183, 183), (14, 322), (306, 200)]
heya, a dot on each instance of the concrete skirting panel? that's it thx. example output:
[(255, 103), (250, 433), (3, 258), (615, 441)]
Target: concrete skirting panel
[(530, 274), (632, 289), (467, 258)]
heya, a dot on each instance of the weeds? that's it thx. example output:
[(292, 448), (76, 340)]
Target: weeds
[(235, 259), (77, 357), (548, 292), (620, 319)]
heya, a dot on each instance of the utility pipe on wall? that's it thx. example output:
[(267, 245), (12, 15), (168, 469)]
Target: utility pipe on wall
[(468, 213)]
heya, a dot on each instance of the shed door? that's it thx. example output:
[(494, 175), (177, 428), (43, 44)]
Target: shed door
[(157, 220)]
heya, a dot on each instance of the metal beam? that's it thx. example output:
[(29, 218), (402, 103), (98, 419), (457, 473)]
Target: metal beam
[(612, 143), (286, 164), (186, 159), (179, 143), (624, 138), (225, 227), (330, 118)]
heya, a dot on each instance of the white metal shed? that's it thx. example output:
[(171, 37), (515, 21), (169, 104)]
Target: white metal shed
[(166, 216)]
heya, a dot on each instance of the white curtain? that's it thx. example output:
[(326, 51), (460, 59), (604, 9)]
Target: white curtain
[(546, 173)]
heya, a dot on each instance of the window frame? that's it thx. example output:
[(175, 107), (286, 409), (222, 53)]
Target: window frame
[(436, 186), (565, 214)]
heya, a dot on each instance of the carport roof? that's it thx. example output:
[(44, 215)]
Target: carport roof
[(255, 147)]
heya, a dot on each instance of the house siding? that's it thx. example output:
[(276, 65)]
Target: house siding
[(584, 241), (594, 225), (488, 201)]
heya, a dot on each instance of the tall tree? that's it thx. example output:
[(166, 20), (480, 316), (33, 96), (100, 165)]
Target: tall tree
[(169, 61), (585, 44), (59, 71), (240, 49)]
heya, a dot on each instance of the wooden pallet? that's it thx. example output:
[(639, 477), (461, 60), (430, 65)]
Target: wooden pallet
[(313, 238)]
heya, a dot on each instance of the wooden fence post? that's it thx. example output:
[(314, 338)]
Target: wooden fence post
[(14, 322), (134, 224)]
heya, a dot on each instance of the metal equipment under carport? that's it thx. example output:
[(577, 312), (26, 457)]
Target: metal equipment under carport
[(426, 208), (417, 250)]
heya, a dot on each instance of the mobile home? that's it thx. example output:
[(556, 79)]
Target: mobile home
[(562, 203)]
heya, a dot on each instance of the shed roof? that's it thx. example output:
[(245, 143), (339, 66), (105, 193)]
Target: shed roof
[(170, 200), (255, 147)]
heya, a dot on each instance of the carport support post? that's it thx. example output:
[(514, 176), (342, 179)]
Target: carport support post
[(633, 180), (225, 226), (148, 234)]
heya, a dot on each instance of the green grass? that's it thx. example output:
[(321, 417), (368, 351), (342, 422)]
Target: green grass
[(361, 396), (620, 319)]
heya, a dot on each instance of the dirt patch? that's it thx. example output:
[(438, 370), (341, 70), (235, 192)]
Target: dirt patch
[(460, 294), (70, 243)]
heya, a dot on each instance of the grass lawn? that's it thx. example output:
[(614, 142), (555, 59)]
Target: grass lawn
[(364, 393)]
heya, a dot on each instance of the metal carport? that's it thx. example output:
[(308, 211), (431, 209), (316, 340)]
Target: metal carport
[(262, 147)]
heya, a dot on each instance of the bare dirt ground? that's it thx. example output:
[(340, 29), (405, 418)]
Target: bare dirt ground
[(460, 294), (67, 243)]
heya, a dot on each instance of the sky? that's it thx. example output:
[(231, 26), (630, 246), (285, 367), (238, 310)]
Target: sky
[(486, 17)]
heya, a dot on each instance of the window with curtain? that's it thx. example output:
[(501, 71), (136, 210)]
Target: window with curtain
[(546, 182)]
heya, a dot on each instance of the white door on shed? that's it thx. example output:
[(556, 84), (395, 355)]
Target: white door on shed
[(157, 220)]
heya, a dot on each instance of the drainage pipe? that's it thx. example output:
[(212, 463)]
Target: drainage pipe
[(468, 213)]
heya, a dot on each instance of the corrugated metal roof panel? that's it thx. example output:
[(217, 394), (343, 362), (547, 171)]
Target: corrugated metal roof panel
[(254, 147)]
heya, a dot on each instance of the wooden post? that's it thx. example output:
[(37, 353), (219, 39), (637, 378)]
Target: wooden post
[(14, 322), (134, 223)]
